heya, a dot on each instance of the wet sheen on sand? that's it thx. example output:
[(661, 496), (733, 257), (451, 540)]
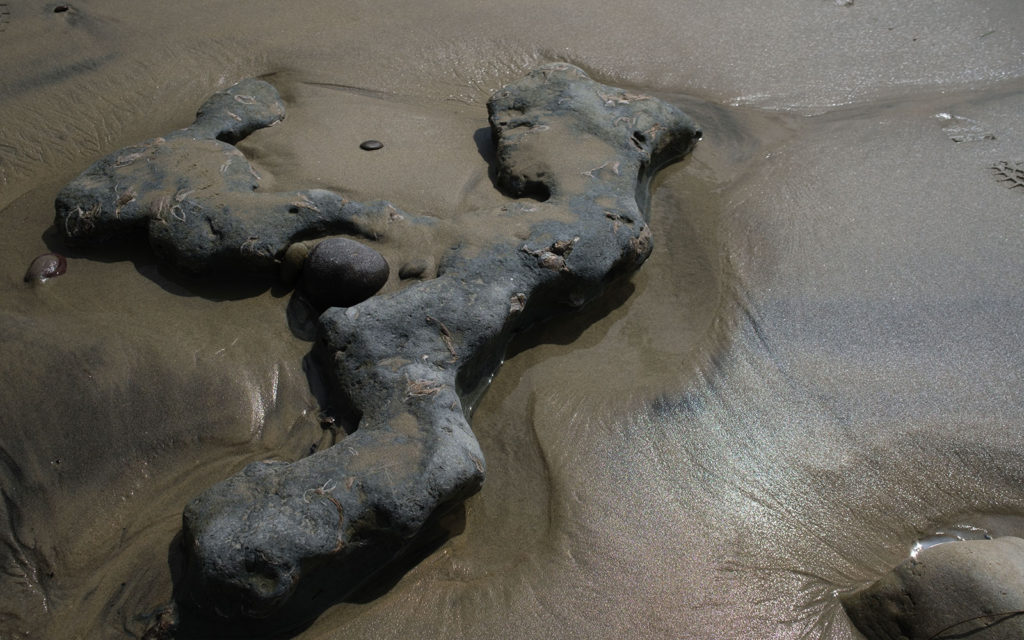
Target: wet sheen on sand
[(818, 366)]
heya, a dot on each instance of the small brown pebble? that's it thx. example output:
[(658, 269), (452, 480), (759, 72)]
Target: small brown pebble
[(294, 258), (371, 145), (46, 266)]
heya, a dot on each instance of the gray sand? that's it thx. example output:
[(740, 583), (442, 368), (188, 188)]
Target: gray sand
[(818, 365)]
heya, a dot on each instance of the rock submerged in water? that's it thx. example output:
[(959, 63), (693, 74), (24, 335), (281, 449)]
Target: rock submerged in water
[(340, 272), (46, 266), (973, 589)]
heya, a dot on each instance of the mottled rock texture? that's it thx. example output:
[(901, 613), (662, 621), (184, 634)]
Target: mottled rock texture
[(969, 589), (409, 364)]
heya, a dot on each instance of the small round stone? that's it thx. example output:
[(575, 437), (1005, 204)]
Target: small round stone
[(340, 272), (371, 145), (46, 266), (294, 257)]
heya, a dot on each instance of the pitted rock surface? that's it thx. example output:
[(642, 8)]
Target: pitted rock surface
[(408, 363)]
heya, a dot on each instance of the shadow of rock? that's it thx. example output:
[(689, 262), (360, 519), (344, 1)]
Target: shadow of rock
[(136, 250)]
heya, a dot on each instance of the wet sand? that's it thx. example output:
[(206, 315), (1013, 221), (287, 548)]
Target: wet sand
[(818, 365)]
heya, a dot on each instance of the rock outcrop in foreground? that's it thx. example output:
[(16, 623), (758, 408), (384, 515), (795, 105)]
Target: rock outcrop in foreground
[(408, 363), (968, 589)]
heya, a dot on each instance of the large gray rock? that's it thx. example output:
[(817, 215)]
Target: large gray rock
[(410, 363), (972, 589), (272, 538)]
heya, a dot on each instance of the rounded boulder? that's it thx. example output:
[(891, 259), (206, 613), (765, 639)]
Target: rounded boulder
[(340, 272)]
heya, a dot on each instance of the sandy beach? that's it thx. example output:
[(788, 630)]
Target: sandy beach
[(818, 365)]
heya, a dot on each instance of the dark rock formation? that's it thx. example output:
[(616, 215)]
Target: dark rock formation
[(409, 363), (340, 272), (197, 197), (964, 589)]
